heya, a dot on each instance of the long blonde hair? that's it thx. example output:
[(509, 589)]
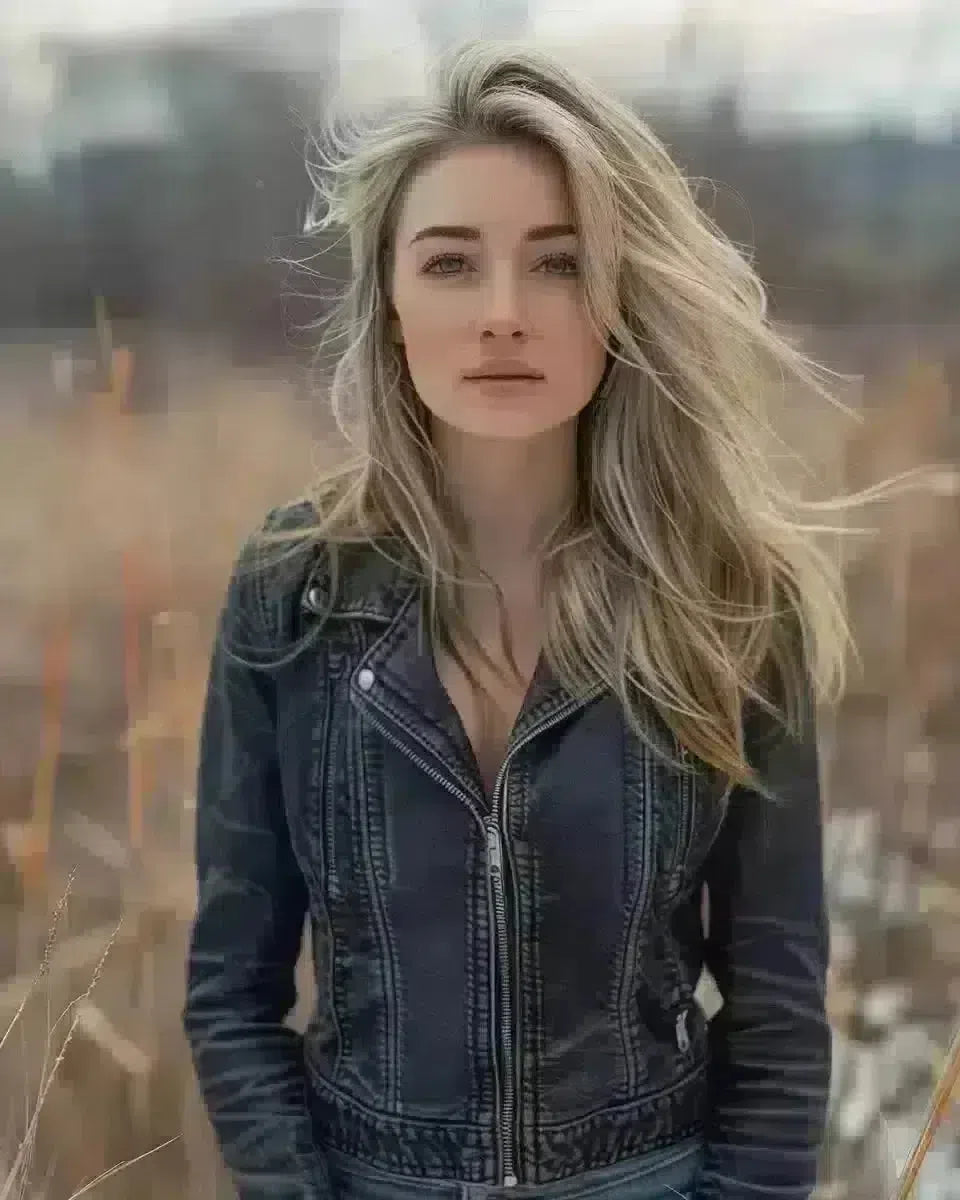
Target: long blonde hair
[(688, 575)]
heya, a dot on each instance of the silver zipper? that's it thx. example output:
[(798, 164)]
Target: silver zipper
[(428, 770), (683, 1034), (505, 1043), (686, 804), (686, 796), (506, 1091), (504, 1083)]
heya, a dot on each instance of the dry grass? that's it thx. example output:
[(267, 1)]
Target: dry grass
[(118, 517), (17, 1185), (115, 513)]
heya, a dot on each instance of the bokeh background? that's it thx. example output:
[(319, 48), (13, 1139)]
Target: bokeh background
[(158, 392)]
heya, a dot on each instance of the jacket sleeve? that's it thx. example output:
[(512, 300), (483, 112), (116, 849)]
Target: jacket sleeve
[(248, 928), (768, 950)]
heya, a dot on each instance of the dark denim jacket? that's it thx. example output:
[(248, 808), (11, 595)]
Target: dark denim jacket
[(505, 989)]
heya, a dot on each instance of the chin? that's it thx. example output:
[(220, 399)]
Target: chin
[(516, 426)]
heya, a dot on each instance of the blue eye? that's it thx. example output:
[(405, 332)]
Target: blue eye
[(449, 264), (559, 264), (438, 260)]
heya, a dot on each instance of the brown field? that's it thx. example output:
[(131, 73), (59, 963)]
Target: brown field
[(116, 537)]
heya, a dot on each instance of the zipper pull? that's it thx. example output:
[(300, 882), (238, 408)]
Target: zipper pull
[(494, 851), (683, 1036)]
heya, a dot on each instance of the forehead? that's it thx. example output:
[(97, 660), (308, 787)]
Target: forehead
[(498, 188)]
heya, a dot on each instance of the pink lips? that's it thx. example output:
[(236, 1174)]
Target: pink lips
[(503, 369)]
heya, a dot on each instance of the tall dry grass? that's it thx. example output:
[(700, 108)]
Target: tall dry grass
[(93, 490), (16, 1161), (97, 493)]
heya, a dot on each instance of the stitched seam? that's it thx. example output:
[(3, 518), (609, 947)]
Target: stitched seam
[(638, 909), (470, 1049), (540, 1032), (616, 1111), (388, 952)]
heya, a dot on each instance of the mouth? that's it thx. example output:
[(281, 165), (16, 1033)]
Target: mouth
[(501, 378)]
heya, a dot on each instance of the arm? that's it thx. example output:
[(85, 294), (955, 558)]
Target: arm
[(248, 929), (768, 949)]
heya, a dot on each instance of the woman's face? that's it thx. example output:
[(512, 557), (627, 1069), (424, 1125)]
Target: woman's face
[(487, 290)]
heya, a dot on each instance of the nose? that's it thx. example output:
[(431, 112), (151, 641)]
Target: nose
[(504, 312), (517, 333)]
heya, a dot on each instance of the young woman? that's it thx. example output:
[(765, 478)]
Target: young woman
[(511, 692)]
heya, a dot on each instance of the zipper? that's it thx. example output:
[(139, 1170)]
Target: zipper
[(681, 1028), (506, 1091), (428, 770), (504, 1045), (686, 807), (683, 1034)]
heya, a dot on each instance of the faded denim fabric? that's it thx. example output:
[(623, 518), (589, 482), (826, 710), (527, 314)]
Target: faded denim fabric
[(662, 1175), (505, 989)]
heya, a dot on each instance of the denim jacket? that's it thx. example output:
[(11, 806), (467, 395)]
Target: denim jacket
[(504, 985)]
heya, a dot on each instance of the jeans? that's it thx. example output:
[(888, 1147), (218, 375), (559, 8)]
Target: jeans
[(661, 1175)]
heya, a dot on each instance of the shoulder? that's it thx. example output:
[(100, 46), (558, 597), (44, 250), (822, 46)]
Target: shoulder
[(261, 610), (293, 576), (275, 554), (785, 724)]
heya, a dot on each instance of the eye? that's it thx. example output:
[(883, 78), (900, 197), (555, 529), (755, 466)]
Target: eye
[(443, 264), (561, 263)]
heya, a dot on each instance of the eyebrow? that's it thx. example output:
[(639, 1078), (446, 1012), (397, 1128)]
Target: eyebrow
[(467, 233)]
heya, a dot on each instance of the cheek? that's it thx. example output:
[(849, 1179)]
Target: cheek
[(431, 351), (429, 328), (425, 308), (574, 346)]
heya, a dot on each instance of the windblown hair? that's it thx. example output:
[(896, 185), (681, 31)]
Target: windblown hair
[(686, 575)]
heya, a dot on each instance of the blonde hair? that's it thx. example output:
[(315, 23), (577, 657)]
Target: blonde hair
[(688, 575)]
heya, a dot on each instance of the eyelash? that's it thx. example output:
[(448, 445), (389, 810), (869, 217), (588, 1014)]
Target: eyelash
[(567, 259)]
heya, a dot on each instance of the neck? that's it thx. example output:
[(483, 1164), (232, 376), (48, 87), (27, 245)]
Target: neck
[(509, 493)]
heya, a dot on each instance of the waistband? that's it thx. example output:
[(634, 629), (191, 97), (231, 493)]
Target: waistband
[(421, 1150), (649, 1177)]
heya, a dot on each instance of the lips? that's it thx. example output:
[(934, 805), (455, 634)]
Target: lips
[(504, 369)]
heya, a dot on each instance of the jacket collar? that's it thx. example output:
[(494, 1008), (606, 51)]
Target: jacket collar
[(366, 582), (378, 582)]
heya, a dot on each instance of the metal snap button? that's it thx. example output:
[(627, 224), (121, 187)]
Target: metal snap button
[(365, 679), (314, 599)]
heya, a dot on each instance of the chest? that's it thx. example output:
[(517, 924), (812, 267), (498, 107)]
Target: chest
[(488, 690), (382, 797), (375, 732), (487, 705)]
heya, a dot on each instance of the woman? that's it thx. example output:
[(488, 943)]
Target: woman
[(514, 689)]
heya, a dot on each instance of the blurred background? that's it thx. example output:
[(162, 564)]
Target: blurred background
[(158, 393)]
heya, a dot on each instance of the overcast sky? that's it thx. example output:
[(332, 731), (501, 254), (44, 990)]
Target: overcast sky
[(817, 61), (550, 16)]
